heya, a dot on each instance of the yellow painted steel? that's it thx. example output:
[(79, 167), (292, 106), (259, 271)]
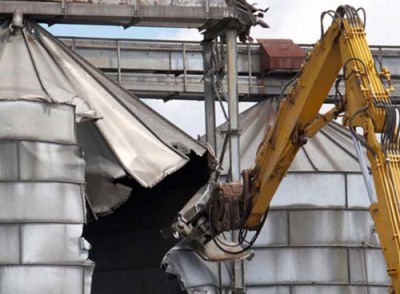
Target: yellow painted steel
[(343, 45)]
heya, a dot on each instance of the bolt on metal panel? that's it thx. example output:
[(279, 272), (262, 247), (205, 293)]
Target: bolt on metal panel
[(367, 265), (357, 192), (330, 228), (52, 244), (31, 122), (286, 266), (9, 244), (311, 190), (30, 202), (274, 232), (52, 162), (9, 164)]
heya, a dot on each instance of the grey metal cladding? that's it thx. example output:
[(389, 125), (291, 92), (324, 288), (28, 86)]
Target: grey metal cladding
[(268, 290), (30, 202), (356, 191), (42, 279), (22, 81), (338, 289), (367, 265), (52, 244), (9, 244), (330, 228), (33, 120), (274, 231), (52, 162), (287, 265), (311, 190), (8, 161)]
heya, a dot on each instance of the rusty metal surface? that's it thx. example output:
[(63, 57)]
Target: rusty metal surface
[(280, 54)]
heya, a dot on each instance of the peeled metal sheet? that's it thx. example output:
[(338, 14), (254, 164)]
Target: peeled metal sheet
[(196, 275), (38, 67), (52, 244), (68, 279), (102, 169), (9, 167), (331, 228), (30, 202), (137, 147), (29, 120), (287, 265), (311, 190), (53, 162), (9, 244)]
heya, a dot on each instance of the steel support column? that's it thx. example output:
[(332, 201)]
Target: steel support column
[(234, 143), (209, 95)]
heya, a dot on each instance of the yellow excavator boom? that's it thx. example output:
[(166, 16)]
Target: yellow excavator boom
[(365, 105)]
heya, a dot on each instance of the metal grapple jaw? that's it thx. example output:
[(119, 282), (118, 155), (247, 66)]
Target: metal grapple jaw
[(213, 210)]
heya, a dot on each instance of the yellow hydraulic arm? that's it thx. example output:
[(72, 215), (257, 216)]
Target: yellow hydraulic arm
[(366, 104)]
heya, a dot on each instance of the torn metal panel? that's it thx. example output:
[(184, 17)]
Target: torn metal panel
[(196, 275), (36, 66), (102, 171)]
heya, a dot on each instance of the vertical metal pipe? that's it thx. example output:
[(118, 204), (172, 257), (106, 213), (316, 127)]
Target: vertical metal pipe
[(119, 61), (209, 96), (184, 66), (233, 105), (234, 140)]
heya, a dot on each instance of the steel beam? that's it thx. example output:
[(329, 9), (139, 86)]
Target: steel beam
[(209, 96), (184, 14), (234, 140), (174, 70)]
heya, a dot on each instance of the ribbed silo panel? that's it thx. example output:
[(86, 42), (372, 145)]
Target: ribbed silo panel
[(42, 201)]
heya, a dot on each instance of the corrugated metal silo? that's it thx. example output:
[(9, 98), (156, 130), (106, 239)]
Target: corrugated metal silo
[(319, 235)]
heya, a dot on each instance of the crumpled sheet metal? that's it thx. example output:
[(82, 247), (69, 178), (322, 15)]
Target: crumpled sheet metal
[(42, 205), (36, 66), (195, 274), (102, 169)]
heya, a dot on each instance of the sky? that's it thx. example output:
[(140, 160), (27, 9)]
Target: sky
[(289, 19)]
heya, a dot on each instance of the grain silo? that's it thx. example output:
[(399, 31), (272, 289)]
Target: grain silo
[(73, 143), (319, 235)]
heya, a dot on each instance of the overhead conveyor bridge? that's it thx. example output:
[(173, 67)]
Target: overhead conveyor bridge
[(174, 69)]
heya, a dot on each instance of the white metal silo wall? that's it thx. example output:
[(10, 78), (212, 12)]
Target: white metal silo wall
[(313, 240), (42, 203)]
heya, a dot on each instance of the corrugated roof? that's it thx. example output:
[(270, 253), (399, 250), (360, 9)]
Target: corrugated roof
[(330, 150), (36, 66)]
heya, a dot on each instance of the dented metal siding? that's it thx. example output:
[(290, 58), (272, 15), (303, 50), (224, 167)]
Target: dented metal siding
[(42, 201)]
